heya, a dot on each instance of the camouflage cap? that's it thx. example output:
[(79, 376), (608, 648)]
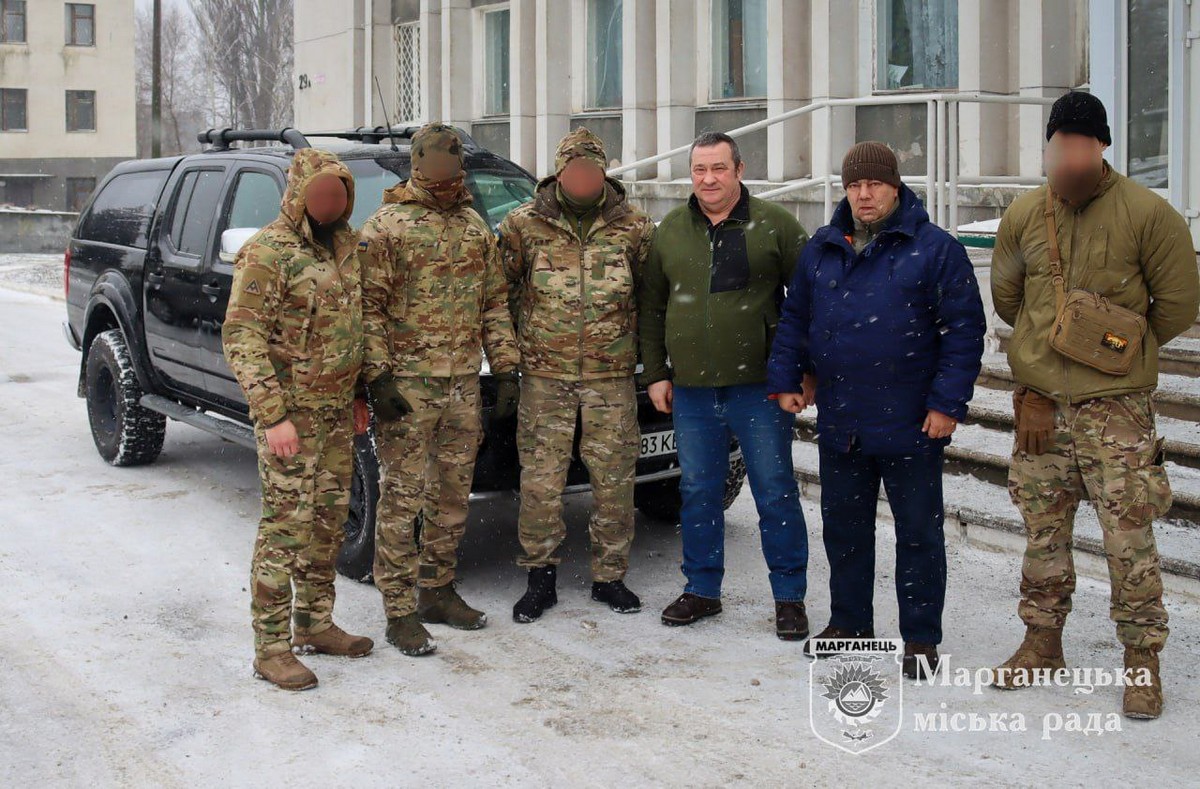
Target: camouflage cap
[(580, 143), (437, 152)]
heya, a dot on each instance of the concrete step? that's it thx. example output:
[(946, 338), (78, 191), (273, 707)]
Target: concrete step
[(1178, 396), (1181, 356), (983, 512), (985, 452), (993, 408)]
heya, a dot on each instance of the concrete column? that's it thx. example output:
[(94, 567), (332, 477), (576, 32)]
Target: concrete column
[(1045, 68), (834, 57), (521, 83), (788, 47), (552, 75), (458, 60), (431, 59), (639, 135), (675, 72), (983, 67)]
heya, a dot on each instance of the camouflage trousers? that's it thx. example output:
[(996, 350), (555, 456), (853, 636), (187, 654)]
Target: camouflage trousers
[(427, 456), (305, 501), (1108, 449), (608, 445)]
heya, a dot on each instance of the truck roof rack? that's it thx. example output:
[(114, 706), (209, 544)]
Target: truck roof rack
[(376, 135), (220, 139)]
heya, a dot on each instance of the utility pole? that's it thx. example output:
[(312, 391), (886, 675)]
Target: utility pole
[(156, 84)]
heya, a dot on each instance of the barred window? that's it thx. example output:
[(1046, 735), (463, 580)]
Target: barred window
[(408, 72)]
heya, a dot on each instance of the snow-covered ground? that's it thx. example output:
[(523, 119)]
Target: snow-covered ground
[(125, 647)]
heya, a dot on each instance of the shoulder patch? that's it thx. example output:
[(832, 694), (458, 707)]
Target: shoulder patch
[(252, 288)]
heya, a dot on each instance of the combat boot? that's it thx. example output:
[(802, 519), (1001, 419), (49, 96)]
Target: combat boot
[(1041, 649), (442, 605), (540, 595), (1142, 701), (332, 641), (285, 671), (407, 634)]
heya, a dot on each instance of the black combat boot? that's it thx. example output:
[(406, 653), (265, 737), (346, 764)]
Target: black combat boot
[(617, 596), (540, 595)]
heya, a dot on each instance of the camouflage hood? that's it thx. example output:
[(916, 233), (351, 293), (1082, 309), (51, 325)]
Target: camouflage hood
[(307, 164)]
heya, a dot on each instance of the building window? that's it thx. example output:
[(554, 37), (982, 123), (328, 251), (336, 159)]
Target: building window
[(739, 47), (18, 192), (1149, 92), (12, 109), (408, 72), (918, 44), (495, 62), (78, 191), (603, 54), (81, 24), (81, 110), (12, 21)]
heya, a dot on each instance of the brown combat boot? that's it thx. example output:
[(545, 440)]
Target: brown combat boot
[(1144, 702), (332, 641), (407, 634), (1041, 649), (442, 605), (284, 671)]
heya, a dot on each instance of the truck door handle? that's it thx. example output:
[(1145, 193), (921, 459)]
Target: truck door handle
[(210, 289), (155, 278)]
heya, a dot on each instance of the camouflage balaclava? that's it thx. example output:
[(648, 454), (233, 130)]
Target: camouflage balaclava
[(437, 164), (579, 144)]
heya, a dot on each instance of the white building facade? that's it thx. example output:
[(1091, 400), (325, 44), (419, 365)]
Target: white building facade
[(67, 99), (648, 75)]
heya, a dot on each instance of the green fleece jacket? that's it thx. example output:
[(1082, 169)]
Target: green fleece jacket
[(710, 297)]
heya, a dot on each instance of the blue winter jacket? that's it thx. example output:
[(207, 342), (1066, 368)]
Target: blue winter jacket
[(890, 333)]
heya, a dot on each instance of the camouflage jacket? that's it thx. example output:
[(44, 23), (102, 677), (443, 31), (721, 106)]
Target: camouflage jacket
[(576, 301), (293, 328), (433, 291)]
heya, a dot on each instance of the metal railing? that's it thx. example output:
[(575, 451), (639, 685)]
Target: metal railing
[(941, 177)]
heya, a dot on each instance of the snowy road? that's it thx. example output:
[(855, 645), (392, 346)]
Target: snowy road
[(125, 647)]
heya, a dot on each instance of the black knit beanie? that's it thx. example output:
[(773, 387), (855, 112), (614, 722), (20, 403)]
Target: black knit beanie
[(1079, 113)]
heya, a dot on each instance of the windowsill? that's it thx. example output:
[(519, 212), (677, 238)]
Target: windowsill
[(757, 102), (14, 43), (14, 131), (81, 131), (498, 117), (911, 91), (600, 111)]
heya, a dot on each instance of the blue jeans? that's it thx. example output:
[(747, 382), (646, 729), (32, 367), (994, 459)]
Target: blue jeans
[(704, 419), (849, 494)]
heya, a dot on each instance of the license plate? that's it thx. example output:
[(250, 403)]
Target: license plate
[(655, 444)]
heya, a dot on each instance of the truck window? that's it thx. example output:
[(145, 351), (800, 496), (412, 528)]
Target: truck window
[(121, 213), (195, 205), (256, 199)]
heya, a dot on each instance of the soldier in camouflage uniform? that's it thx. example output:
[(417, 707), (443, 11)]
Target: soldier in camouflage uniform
[(293, 337), (574, 256), (1082, 431), (433, 294)]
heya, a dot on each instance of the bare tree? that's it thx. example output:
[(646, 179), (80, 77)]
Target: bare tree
[(247, 51), (185, 104)]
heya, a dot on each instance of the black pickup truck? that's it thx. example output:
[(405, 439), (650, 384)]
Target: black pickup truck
[(148, 273)]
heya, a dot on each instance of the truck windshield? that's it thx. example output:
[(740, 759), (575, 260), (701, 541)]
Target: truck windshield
[(496, 186)]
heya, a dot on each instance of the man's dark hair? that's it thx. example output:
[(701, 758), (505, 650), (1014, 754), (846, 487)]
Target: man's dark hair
[(710, 138)]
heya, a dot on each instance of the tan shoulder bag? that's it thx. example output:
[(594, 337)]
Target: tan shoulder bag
[(1088, 328)]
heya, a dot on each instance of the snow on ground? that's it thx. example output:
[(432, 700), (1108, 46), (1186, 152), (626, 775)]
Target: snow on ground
[(32, 273), (125, 646)]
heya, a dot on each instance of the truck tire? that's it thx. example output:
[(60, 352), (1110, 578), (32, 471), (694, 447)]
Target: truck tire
[(356, 558), (660, 501), (125, 433)]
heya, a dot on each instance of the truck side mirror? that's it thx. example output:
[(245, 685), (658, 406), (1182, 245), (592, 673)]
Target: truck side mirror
[(232, 240)]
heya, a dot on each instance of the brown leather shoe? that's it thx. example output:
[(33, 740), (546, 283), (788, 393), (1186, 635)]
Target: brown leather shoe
[(332, 641), (284, 671), (914, 668), (689, 608), (791, 621), (835, 633)]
